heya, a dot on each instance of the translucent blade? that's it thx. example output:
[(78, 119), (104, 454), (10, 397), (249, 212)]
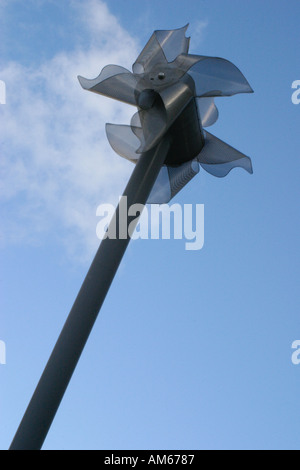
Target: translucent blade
[(151, 55), (208, 112), (218, 77), (213, 76), (161, 192), (171, 180), (173, 42), (124, 142), (222, 170), (219, 158), (115, 82), (163, 47)]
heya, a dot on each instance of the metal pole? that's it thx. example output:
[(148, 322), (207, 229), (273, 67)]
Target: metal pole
[(66, 353)]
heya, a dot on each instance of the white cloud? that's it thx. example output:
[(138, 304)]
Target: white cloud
[(56, 163), (197, 30)]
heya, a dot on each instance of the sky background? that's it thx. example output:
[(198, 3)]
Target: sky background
[(192, 349)]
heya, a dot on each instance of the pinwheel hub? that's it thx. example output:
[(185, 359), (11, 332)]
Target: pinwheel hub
[(147, 98), (161, 75)]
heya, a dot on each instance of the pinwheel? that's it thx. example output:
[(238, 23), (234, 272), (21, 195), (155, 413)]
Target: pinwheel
[(174, 93)]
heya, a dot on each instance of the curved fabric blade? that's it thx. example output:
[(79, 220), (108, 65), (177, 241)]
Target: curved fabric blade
[(115, 82), (136, 128), (161, 192), (123, 141), (173, 42), (218, 77), (171, 180), (214, 76), (163, 47), (222, 170), (207, 110), (151, 55), (219, 158)]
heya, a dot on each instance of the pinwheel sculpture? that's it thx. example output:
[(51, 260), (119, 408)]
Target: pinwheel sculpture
[(174, 94)]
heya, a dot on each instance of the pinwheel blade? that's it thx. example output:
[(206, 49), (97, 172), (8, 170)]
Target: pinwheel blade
[(222, 170), (163, 46), (173, 42), (218, 77), (171, 180), (208, 112), (213, 76), (114, 82), (123, 141), (219, 158), (151, 55), (161, 192)]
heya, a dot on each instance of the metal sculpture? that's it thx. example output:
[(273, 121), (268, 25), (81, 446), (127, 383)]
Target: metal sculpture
[(174, 92)]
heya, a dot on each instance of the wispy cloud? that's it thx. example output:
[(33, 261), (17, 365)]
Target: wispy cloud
[(56, 164), (197, 30)]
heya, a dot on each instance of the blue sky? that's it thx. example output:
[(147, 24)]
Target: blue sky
[(191, 350)]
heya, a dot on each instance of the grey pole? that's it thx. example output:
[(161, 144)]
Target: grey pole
[(49, 392)]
